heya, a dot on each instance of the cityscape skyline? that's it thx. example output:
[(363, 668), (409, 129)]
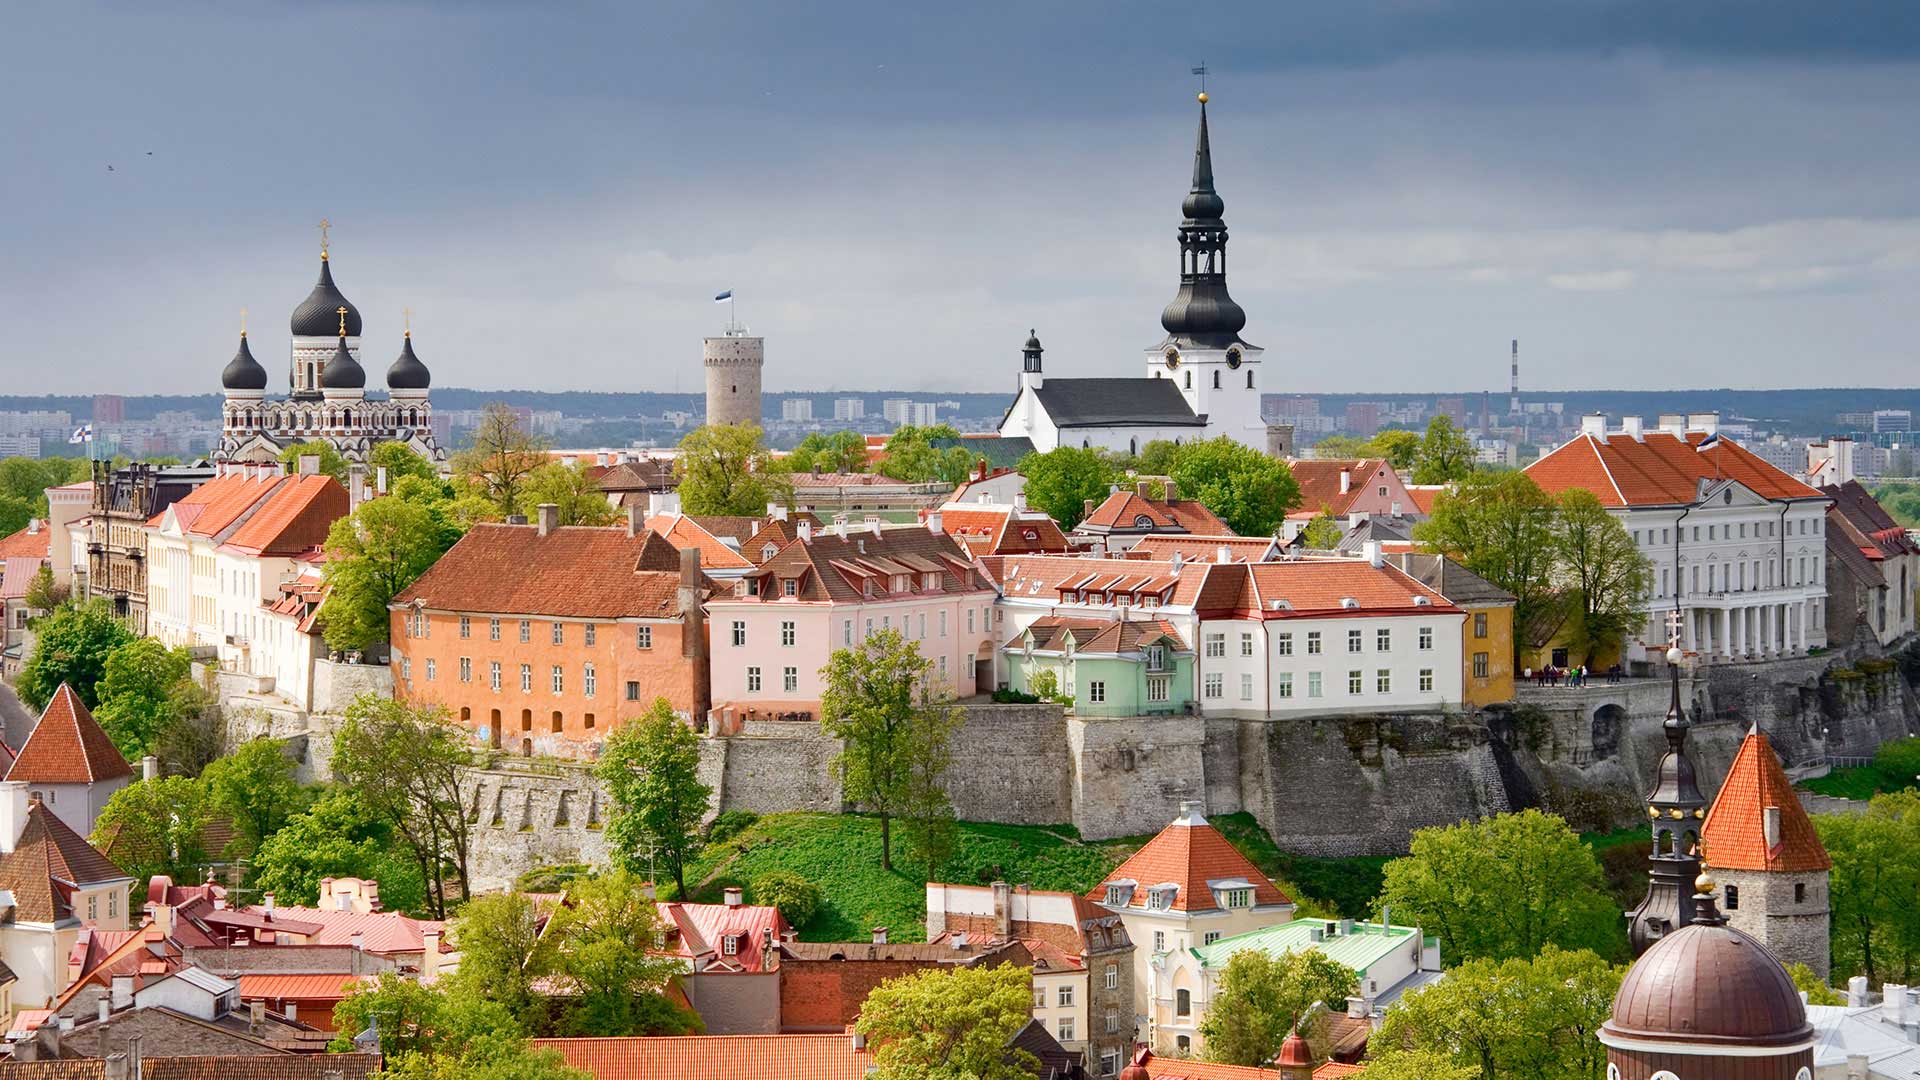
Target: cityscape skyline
[(909, 193)]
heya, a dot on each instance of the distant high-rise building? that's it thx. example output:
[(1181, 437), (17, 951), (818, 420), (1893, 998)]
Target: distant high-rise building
[(1452, 408), (1298, 406), (109, 408), (850, 408), (1854, 421), (733, 362), (924, 413), (1894, 420), (897, 410), (1363, 417), (796, 409)]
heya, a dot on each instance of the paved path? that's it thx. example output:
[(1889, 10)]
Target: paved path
[(16, 720)]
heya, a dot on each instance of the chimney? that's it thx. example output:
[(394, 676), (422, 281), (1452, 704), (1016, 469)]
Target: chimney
[(120, 991), (1673, 423), (1356, 519), (291, 1011), (873, 525), (1374, 558), (133, 1057), (256, 1014), (805, 529), (879, 935), (1173, 490), (1594, 424), (933, 522), (1770, 825), (1141, 487), (549, 517), (1708, 422), (356, 484), (860, 1043), (840, 527), (429, 956), (1893, 1003), (693, 634), (1020, 499), (105, 1009), (370, 889), (1346, 481), (13, 813), (149, 768), (636, 520), (1357, 1008), (33, 526), (516, 519), (1003, 910), (1086, 508), (1222, 554), (358, 941), (777, 511), (114, 1067), (1857, 992), (266, 901), (1857, 1067), (732, 896), (380, 480), (1633, 427)]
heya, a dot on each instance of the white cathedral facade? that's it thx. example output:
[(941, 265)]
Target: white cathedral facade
[(327, 399), (1202, 380)]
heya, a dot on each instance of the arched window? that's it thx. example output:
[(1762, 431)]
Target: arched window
[(1249, 380), (1133, 446), (1216, 380), (1189, 383)]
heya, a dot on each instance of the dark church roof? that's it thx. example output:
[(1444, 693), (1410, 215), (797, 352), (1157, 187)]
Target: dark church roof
[(343, 372), (319, 314), (407, 372), (243, 372), (1709, 984), (1115, 402)]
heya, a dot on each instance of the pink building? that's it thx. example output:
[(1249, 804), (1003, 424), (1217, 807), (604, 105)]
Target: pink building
[(828, 591)]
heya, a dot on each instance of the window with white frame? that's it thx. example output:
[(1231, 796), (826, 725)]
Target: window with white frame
[(789, 586), (589, 632), (1355, 641), (1282, 684), (1283, 644), (526, 631), (1065, 998), (1215, 684), (559, 679), (1066, 1029), (1159, 688), (787, 634), (1383, 681), (429, 669), (643, 637), (493, 675), (790, 679), (1216, 645), (559, 633), (753, 680), (588, 681), (1426, 679), (1313, 643), (1111, 977), (1246, 686), (1356, 679), (1383, 640), (739, 634), (1426, 639), (466, 669), (493, 629), (466, 627), (526, 678), (1246, 643), (1096, 692), (1313, 684)]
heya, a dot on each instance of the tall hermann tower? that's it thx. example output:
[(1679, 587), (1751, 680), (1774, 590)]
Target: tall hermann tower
[(733, 362)]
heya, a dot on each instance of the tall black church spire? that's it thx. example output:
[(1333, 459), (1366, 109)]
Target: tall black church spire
[(1202, 314), (1675, 808)]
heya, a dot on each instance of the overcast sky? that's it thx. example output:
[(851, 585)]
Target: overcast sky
[(1648, 194)]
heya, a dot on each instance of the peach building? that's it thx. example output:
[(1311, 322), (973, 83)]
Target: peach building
[(542, 638), (828, 590)]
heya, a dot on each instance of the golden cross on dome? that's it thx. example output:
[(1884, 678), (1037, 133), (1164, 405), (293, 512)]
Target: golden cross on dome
[(243, 322), (343, 319), (407, 315), (324, 225)]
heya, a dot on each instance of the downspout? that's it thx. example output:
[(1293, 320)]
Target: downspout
[(1679, 578), (1786, 620)]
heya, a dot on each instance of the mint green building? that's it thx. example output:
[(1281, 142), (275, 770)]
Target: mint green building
[(1105, 667)]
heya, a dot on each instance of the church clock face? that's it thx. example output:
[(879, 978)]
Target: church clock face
[(1233, 359), (1173, 358)]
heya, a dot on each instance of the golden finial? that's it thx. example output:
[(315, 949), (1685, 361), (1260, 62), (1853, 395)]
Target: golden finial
[(406, 314), (243, 322), (1203, 97), (1703, 885), (343, 319), (324, 224)]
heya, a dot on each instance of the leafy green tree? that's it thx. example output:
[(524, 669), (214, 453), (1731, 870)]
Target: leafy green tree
[(1526, 1016), (1605, 576), (501, 957), (1261, 998), (1418, 1065), (1248, 490), (1501, 527), (1063, 480), (892, 735), (43, 593), (1323, 533), (156, 827), (1398, 446), (1808, 982), (571, 488), (725, 469), (194, 735), (926, 814), (337, 837), (404, 762), (1504, 886), (401, 462), (798, 899), (372, 554), (1874, 887), (651, 768), (331, 463), (143, 688), (1344, 448), (71, 646), (16, 513), (502, 455), (599, 945), (950, 1025), (911, 456), (254, 786), (1156, 458), (1898, 764), (840, 452), (1445, 454)]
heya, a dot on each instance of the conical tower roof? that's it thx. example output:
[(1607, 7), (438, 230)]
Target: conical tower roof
[(1735, 834)]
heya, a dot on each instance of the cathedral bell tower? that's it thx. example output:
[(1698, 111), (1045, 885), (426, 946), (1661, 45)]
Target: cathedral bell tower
[(1217, 372), (1675, 810)]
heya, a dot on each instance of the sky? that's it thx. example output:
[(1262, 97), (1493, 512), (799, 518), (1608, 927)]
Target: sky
[(1648, 195)]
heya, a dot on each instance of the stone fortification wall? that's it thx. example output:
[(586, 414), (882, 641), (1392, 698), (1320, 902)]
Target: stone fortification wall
[(335, 685), (1011, 765), (523, 819)]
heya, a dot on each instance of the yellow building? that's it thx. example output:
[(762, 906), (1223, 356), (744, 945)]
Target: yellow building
[(1486, 641)]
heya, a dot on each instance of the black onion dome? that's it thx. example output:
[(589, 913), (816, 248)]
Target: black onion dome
[(1033, 342), (407, 372), (319, 314), (343, 372), (243, 372)]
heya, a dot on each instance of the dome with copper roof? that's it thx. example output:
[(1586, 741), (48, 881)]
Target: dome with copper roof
[(1137, 1070)]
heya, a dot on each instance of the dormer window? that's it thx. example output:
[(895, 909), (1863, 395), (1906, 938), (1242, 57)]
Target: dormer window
[(1160, 898), (1236, 898), (1156, 657), (730, 944), (790, 587), (866, 586), (1119, 895), (930, 582)]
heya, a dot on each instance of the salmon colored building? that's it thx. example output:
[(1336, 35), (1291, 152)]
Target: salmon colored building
[(542, 639)]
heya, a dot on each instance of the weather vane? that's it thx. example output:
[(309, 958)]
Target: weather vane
[(243, 322), (324, 223), (1202, 72), (406, 315)]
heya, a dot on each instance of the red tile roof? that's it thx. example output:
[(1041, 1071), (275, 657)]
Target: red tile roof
[(1207, 548), (716, 1057), (385, 931), (1317, 588), (277, 986), (46, 863), (293, 519), (1319, 481), (216, 505), (1189, 853), (1102, 636), (1043, 577), (1659, 469), (17, 574), (1423, 496), (68, 746), (1124, 511), (833, 568), (1000, 532), (700, 930), (684, 532), (1170, 1068), (256, 1066), (1734, 835), (575, 571), (32, 541)]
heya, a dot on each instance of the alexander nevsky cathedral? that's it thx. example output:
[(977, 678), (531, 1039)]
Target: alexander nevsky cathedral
[(327, 396)]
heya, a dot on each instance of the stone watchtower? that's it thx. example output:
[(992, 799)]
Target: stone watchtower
[(733, 362), (1771, 866)]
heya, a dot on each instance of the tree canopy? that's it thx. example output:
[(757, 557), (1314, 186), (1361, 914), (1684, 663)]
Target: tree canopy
[(156, 827), (570, 488), (1247, 489), (1063, 480), (911, 456), (500, 458), (651, 768), (1260, 998), (1444, 454), (144, 688), (950, 1024), (71, 646), (1533, 1017), (403, 762), (1873, 887), (338, 836), (1604, 577), (254, 787), (1504, 886), (1501, 526), (726, 469), (840, 452), (372, 554), (331, 463)]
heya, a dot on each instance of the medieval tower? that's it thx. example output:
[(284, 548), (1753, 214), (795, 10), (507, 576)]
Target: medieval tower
[(733, 361)]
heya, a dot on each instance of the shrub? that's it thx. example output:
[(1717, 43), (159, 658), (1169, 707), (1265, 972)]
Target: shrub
[(730, 823), (1898, 764), (798, 899), (1004, 696)]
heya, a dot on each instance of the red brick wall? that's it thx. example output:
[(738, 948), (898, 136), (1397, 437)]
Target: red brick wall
[(826, 995)]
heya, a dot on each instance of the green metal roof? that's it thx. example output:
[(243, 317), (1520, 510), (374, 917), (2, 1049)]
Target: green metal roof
[(1366, 945)]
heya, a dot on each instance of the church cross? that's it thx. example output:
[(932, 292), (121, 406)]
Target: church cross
[(324, 225), (343, 319)]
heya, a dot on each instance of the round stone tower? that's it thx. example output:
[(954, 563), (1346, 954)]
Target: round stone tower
[(733, 361)]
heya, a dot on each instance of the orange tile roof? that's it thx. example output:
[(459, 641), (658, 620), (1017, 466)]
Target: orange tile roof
[(1124, 510), (716, 1057), (215, 505), (1000, 532), (1189, 853), (576, 571), (293, 519), (46, 863), (1206, 548), (1660, 469), (1333, 1069), (384, 931), (836, 569), (68, 746), (1734, 835), (278, 986), (1423, 496), (683, 532), (1321, 587), (32, 541), (261, 1064), (1170, 1068), (700, 928), (1319, 480), (1041, 577)]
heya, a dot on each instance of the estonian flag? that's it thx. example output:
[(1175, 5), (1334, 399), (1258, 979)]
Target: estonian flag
[(723, 297), (81, 434)]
